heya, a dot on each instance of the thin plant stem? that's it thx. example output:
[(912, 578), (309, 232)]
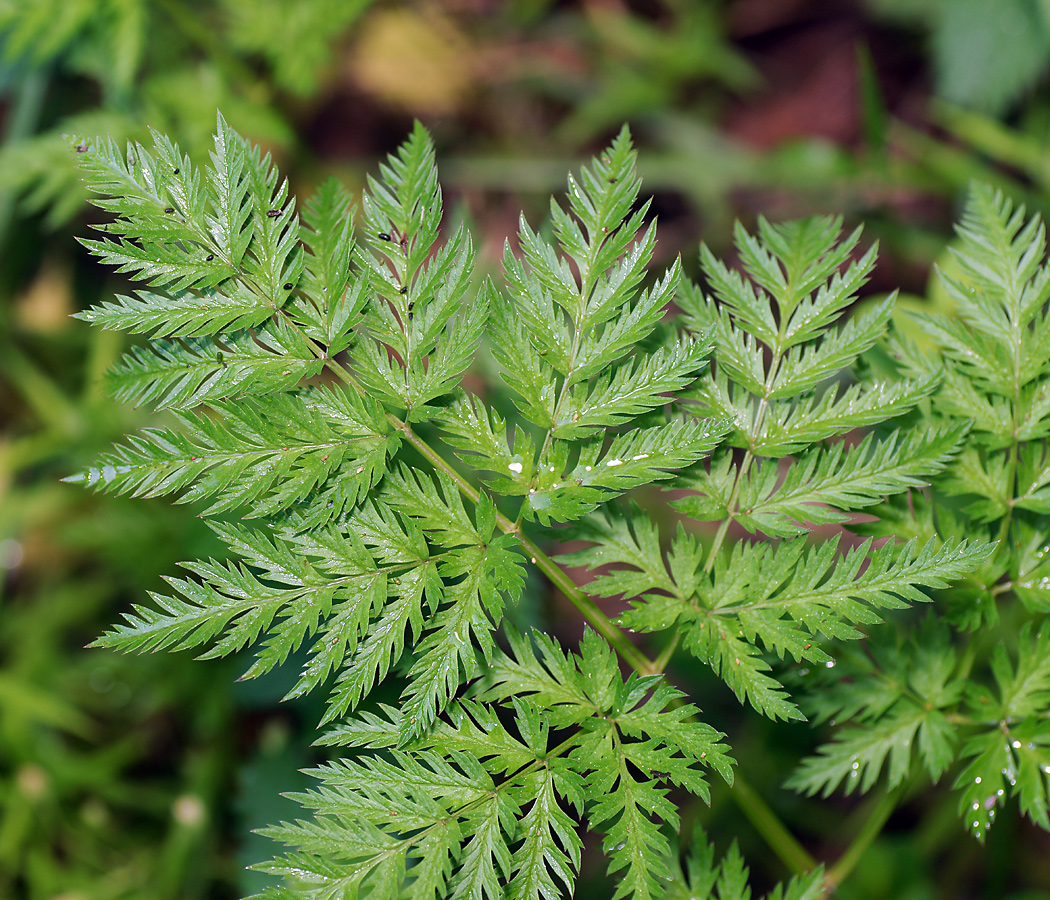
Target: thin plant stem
[(661, 662), (773, 831), (787, 848), (597, 619), (723, 527), (873, 825)]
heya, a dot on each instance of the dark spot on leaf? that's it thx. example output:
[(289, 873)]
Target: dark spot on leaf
[(273, 213), (174, 171)]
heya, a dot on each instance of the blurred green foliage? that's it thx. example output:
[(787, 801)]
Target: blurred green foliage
[(112, 770), (117, 775), (123, 65), (986, 54)]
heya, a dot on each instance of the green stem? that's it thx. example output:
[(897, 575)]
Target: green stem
[(438, 462), (773, 831), (749, 456), (723, 527), (1015, 412), (873, 825), (966, 662), (339, 370), (1011, 476), (598, 620), (660, 663), (776, 834)]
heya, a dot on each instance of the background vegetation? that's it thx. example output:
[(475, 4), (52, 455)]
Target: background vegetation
[(140, 777)]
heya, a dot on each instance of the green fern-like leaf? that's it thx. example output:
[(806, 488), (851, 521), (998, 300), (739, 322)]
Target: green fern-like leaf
[(312, 371), (991, 360)]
